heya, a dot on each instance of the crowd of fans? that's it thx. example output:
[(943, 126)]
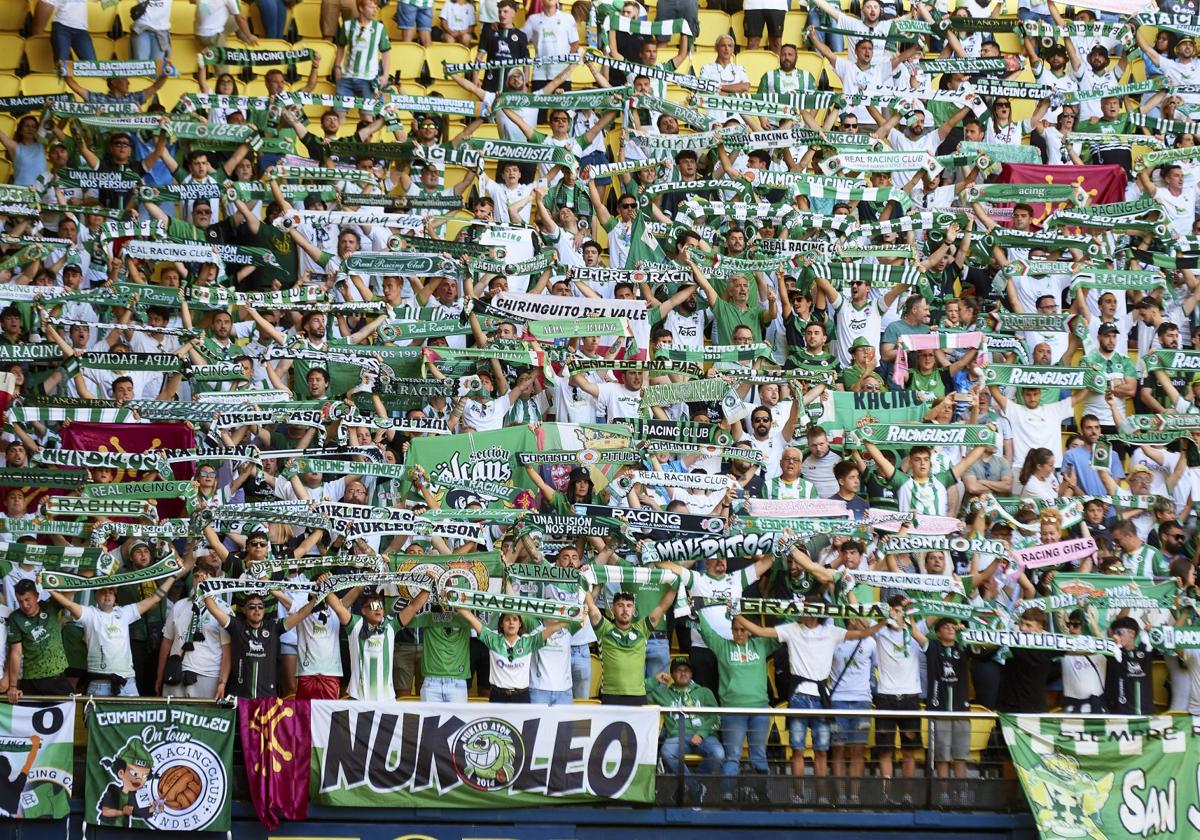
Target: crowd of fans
[(835, 290)]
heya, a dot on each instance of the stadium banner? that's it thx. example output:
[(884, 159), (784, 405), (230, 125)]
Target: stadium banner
[(157, 766), (1103, 184), (418, 755), (37, 742), (1111, 778)]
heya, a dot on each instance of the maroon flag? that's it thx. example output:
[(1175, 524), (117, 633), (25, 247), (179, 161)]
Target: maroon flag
[(1104, 184), (136, 437), (276, 743)]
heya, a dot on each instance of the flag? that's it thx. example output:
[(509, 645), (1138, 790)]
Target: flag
[(276, 743), (476, 466), (1107, 779), (1103, 184), (643, 246), (157, 766), (851, 410), (40, 787), (136, 437)]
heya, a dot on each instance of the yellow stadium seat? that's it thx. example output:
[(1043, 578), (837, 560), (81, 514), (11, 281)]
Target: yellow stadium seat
[(325, 51), (813, 62), (737, 23), (37, 84), (446, 88), (1008, 42), (597, 675), (184, 57), (487, 131), (9, 85), (14, 15), (586, 701), (794, 26), (40, 55), (702, 56), (408, 58), (11, 49), (123, 9), (435, 54), (757, 62), (100, 19), (713, 24), (307, 18), (172, 89), (183, 19)]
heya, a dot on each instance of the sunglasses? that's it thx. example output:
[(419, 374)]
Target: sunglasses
[(258, 544), (255, 607), (1074, 624), (627, 206)]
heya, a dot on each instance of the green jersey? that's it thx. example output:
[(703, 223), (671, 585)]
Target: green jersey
[(40, 637), (729, 317), (1145, 562), (692, 695), (646, 597), (362, 47), (511, 662), (445, 645), (623, 655), (741, 669)]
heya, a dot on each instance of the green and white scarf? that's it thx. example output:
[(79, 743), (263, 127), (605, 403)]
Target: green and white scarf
[(497, 602), (1028, 193), (658, 74), (907, 435), (601, 99), (1045, 376), (1039, 641), (86, 459), (111, 69), (252, 58), (60, 581)]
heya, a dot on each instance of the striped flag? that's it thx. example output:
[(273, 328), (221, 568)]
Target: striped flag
[(1108, 778)]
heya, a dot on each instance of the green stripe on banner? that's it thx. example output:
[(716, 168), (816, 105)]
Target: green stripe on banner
[(1172, 360)]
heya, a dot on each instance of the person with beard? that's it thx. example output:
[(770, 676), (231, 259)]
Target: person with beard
[(680, 313), (748, 475)]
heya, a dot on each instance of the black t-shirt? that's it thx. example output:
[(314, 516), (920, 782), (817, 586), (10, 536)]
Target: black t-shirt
[(947, 678), (1128, 686), (255, 655), (501, 44), (1023, 685)]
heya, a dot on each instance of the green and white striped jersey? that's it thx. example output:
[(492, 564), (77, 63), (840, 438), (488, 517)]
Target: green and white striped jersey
[(363, 45), (930, 497), (371, 658), (777, 488)]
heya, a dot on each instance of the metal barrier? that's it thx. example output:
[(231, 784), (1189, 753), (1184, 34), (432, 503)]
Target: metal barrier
[(990, 785)]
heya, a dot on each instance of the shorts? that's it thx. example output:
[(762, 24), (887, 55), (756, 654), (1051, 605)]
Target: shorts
[(798, 727), (318, 687), (951, 739), (752, 23), (853, 729), (910, 727), (414, 17)]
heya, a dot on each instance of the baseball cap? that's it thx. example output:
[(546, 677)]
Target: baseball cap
[(1107, 328)]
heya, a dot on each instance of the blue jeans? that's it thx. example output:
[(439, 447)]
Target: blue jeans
[(738, 728), (414, 17), (103, 688), (147, 45), (362, 88), (710, 748), (443, 690), (545, 697), (820, 20), (64, 40), (1030, 14), (273, 14), (581, 671), (798, 727), (658, 657)]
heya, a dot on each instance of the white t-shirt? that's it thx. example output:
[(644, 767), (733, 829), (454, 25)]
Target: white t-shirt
[(729, 586), (819, 473), (72, 13), (213, 16), (857, 80), (204, 658), (810, 652), (771, 448), (317, 647), (1081, 676), (899, 662), (107, 635), (1040, 427), (458, 16), (552, 663), (488, 416), (618, 401), (157, 17), (853, 664), (551, 35), (729, 74)]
